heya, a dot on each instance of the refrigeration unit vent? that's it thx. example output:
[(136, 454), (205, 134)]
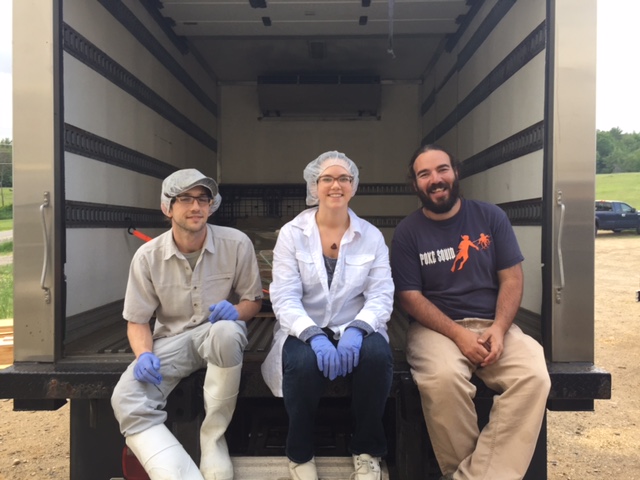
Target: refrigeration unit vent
[(319, 96)]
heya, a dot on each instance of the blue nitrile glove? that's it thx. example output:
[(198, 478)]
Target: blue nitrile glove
[(349, 349), (223, 310), (327, 356), (147, 369)]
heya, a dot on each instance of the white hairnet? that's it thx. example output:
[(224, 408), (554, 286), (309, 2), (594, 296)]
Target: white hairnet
[(183, 180), (319, 165)]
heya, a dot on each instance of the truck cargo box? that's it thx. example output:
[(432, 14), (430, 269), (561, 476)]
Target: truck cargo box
[(111, 96)]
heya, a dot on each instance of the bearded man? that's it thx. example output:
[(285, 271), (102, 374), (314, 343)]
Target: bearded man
[(462, 324)]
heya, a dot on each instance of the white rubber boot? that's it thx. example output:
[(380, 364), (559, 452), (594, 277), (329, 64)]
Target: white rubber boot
[(220, 394), (303, 471), (162, 456)]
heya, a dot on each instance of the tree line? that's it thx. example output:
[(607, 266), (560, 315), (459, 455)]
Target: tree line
[(617, 152)]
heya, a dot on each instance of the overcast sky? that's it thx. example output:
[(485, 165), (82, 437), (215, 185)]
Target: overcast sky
[(618, 69), (5, 69), (618, 75)]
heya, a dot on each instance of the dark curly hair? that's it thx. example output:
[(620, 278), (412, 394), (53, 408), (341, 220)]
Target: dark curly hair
[(411, 175)]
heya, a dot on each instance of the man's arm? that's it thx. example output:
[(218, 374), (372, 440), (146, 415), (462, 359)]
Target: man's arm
[(247, 283), (247, 309), (430, 316), (140, 338), (511, 284)]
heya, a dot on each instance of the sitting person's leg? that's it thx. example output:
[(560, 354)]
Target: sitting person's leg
[(303, 385), (138, 407), (442, 374), (222, 348), (506, 444), (371, 385)]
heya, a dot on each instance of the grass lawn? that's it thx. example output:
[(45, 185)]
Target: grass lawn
[(6, 211), (7, 194), (6, 248), (624, 187), (6, 291), (6, 224)]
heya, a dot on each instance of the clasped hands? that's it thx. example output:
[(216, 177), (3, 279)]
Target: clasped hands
[(341, 360), (481, 349)]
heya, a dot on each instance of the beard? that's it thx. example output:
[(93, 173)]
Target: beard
[(186, 226), (442, 205)]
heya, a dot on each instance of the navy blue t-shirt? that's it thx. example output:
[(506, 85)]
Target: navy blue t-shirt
[(454, 262)]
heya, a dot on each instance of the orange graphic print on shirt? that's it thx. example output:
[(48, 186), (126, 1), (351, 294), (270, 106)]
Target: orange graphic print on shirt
[(484, 241), (463, 249)]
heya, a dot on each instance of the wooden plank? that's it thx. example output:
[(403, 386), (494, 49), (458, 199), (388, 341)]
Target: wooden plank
[(6, 342)]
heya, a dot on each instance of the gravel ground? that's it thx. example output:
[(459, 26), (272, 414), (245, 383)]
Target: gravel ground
[(604, 444)]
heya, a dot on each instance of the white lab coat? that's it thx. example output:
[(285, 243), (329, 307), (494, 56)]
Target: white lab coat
[(361, 289)]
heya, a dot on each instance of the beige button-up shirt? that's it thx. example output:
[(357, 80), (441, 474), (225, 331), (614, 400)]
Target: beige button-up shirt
[(161, 282)]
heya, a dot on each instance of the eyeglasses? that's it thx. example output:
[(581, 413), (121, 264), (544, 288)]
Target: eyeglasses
[(328, 179), (203, 200)]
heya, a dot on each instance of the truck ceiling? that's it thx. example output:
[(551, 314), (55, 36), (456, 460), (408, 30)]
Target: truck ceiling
[(393, 40)]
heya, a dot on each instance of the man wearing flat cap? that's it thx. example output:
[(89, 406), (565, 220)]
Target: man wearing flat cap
[(201, 283)]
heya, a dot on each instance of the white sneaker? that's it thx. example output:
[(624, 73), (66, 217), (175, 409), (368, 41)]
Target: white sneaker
[(367, 467), (303, 471)]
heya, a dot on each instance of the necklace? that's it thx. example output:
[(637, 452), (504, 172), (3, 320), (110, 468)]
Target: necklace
[(334, 247)]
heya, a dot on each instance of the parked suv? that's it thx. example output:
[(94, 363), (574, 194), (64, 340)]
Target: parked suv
[(616, 216)]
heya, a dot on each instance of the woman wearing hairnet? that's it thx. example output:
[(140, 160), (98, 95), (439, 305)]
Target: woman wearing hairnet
[(332, 295)]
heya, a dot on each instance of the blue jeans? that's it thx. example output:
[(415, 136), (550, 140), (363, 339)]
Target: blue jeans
[(303, 386)]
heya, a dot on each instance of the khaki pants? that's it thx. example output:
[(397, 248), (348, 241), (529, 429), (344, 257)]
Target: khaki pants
[(504, 447), (139, 406)]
